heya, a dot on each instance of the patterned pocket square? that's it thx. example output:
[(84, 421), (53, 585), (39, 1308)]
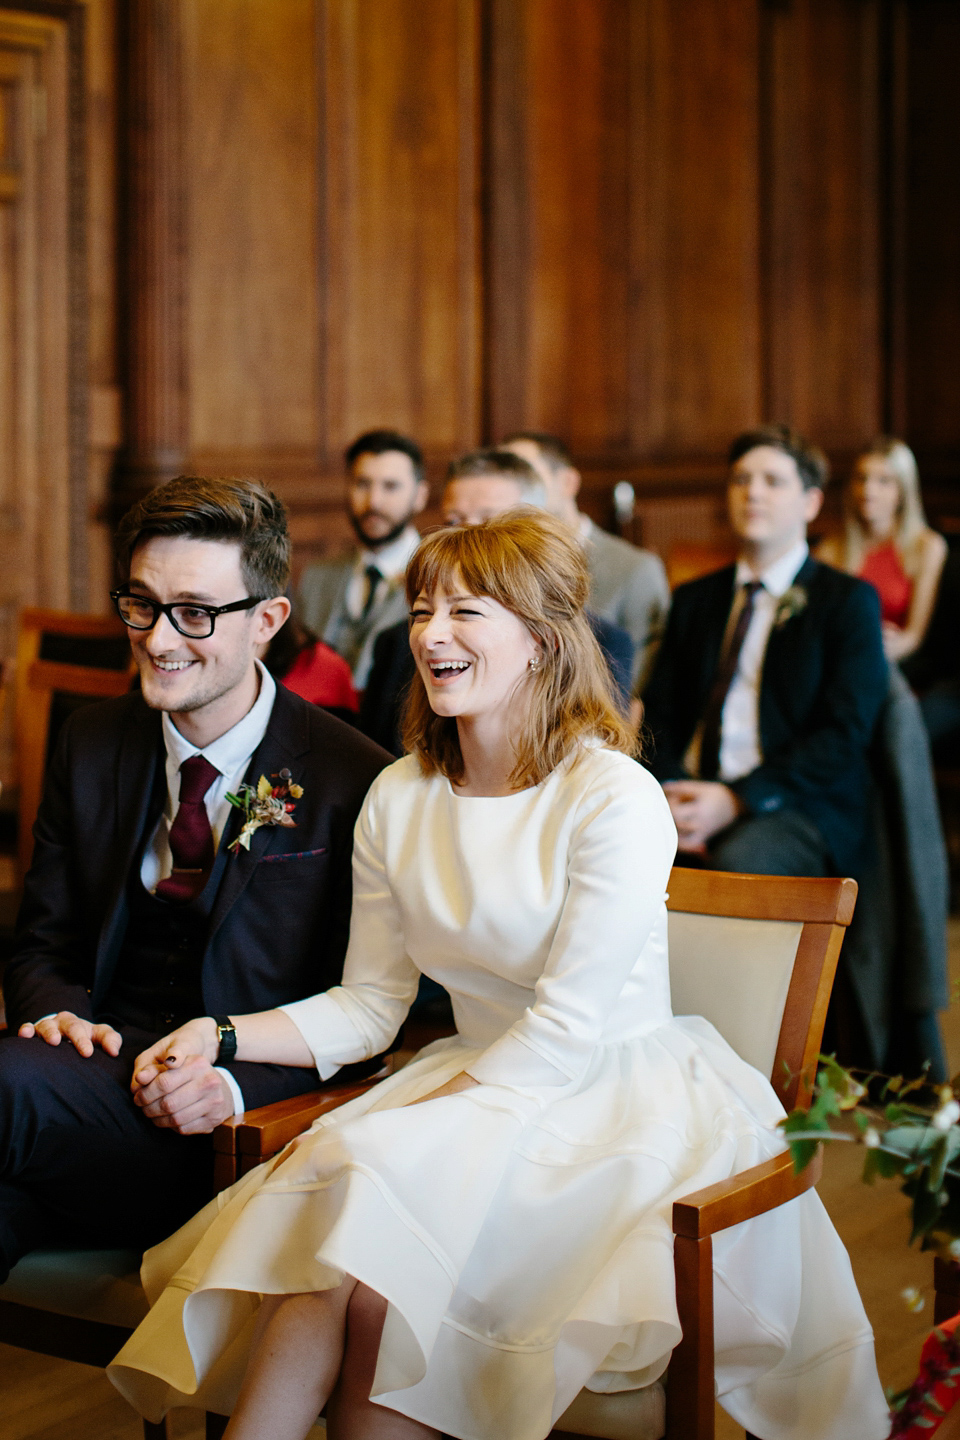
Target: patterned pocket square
[(298, 855)]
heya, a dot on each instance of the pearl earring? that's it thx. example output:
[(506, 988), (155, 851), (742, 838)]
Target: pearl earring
[(533, 663)]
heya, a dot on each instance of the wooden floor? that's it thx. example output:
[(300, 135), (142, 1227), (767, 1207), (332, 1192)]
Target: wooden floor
[(43, 1399)]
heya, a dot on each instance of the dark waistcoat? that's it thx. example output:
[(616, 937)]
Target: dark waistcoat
[(157, 982)]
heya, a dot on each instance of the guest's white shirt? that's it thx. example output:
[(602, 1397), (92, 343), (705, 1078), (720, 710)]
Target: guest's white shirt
[(391, 560), (230, 754), (740, 750)]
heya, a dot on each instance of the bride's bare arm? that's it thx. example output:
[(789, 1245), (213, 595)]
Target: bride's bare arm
[(269, 1036)]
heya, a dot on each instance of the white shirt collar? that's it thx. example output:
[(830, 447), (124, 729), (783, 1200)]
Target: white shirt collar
[(229, 752), (779, 576), (394, 558)]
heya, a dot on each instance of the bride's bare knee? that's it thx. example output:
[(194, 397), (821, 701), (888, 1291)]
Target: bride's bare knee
[(366, 1313)]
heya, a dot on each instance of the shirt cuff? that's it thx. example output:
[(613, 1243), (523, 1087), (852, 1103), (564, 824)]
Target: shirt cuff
[(233, 1087)]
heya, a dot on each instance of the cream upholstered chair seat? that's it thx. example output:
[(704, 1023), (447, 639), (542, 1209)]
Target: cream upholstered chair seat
[(626, 1415), (735, 944), (98, 1285)]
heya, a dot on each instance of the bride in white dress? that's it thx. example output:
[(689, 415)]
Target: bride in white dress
[(466, 1246)]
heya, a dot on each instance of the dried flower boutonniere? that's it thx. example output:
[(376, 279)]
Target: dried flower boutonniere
[(266, 805), (791, 603)]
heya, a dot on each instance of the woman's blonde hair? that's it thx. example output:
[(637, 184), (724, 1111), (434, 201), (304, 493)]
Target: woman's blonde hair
[(911, 524), (531, 564)]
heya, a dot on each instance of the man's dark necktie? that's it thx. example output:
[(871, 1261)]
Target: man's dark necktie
[(373, 577), (191, 839), (727, 668)]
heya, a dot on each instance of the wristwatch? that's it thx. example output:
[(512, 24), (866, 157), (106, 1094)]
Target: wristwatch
[(227, 1039)]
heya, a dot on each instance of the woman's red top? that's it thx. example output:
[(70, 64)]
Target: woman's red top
[(884, 569), (323, 677)]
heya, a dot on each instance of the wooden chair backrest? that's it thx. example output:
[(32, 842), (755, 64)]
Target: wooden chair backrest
[(756, 955), (59, 655), (688, 560)]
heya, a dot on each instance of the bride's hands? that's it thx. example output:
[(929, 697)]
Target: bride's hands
[(196, 1038)]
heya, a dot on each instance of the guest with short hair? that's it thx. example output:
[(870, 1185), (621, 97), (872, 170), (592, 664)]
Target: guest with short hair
[(349, 600), (628, 586), (768, 684)]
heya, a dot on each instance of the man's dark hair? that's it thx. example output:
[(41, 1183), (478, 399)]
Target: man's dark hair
[(241, 512), (551, 447), (378, 442), (492, 461), (812, 465)]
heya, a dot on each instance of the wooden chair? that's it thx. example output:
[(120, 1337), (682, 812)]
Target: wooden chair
[(63, 660), (756, 956)]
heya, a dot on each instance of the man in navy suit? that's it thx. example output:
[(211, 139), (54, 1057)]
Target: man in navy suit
[(143, 908), (768, 684)]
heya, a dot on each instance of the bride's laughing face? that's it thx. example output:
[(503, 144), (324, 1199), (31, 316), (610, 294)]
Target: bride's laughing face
[(473, 654)]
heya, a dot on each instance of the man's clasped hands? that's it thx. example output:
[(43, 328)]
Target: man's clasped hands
[(177, 1092)]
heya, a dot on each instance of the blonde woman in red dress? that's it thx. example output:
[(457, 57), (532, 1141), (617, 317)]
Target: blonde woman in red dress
[(886, 539)]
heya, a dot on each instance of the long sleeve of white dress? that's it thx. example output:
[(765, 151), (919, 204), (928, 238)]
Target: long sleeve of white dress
[(602, 849)]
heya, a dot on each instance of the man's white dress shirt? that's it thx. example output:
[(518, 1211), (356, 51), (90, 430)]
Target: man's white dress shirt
[(392, 561), (740, 750), (230, 754)]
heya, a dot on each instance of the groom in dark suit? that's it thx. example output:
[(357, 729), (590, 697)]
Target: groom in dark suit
[(768, 684), (152, 898)]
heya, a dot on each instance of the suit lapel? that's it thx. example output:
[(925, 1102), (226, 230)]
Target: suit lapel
[(134, 779), (286, 739), (781, 661), (714, 625)]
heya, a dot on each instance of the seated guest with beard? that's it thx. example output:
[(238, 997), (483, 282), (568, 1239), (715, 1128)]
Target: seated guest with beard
[(768, 684), (480, 486)]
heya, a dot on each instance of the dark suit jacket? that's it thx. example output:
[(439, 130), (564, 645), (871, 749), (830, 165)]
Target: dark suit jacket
[(823, 682), (280, 920), (393, 669)]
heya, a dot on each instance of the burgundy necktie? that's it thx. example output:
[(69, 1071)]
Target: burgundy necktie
[(191, 839), (727, 668)]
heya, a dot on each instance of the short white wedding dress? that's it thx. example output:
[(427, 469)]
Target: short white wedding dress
[(519, 1231)]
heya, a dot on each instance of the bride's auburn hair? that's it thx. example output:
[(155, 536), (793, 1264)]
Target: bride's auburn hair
[(531, 565)]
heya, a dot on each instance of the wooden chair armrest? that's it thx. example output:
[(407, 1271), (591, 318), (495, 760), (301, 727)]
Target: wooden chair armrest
[(750, 1193), (246, 1140)]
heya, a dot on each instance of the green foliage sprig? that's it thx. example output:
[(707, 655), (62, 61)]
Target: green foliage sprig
[(918, 1143)]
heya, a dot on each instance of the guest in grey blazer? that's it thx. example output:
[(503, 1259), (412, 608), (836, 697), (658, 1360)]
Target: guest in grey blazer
[(628, 586), (349, 600)]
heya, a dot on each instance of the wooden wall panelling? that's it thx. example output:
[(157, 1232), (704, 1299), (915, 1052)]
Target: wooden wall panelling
[(558, 212), (695, 349), (152, 246), (36, 363), (401, 274), (821, 213), (105, 433), (622, 267), (250, 160), (931, 239)]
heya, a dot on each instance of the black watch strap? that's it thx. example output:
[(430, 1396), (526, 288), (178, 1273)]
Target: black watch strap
[(227, 1037)]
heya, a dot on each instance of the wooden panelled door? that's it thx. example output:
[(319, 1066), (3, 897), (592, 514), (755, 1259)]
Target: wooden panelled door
[(34, 326)]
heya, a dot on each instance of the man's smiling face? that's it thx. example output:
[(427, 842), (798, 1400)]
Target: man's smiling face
[(178, 673)]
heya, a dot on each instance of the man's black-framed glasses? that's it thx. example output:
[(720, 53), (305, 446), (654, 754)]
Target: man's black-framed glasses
[(194, 621)]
